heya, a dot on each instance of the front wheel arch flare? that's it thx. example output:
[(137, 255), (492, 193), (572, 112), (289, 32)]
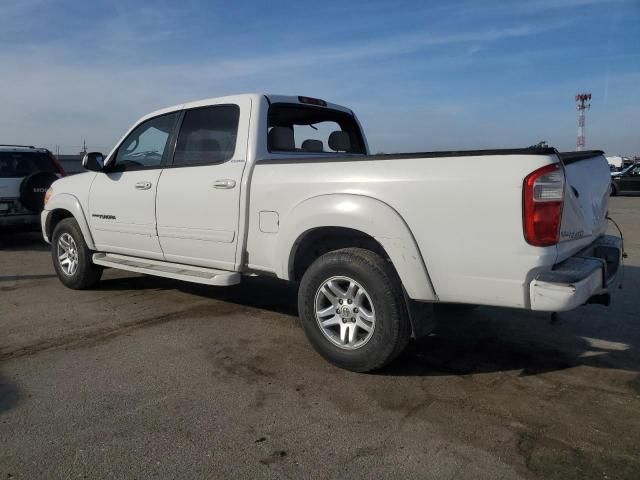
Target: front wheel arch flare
[(69, 203)]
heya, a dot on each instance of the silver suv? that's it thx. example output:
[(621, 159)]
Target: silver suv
[(25, 175)]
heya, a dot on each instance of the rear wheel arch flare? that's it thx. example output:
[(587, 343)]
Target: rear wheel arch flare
[(369, 219)]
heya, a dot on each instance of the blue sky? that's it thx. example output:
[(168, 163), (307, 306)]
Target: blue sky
[(421, 75)]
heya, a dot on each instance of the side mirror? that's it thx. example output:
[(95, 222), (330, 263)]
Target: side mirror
[(93, 161)]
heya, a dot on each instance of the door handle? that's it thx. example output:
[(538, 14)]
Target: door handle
[(224, 183), (143, 185)]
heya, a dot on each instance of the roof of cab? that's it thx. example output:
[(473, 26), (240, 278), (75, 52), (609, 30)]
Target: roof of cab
[(231, 98)]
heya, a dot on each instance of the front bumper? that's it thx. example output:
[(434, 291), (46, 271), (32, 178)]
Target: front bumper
[(44, 218), (573, 282)]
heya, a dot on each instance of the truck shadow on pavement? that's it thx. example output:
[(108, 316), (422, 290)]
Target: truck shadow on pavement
[(478, 343), (17, 240), (483, 340), (258, 292)]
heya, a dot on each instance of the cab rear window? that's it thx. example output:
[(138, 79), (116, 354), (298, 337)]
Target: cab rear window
[(312, 129), (21, 164)]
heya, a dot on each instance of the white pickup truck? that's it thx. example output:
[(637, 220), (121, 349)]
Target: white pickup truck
[(213, 190)]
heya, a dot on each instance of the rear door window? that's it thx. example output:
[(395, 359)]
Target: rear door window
[(207, 135), (21, 164)]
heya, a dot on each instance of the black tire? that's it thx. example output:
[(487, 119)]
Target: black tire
[(378, 278), (614, 190), (87, 274)]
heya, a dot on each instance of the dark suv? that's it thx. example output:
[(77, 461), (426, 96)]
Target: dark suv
[(26, 173), (626, 182)]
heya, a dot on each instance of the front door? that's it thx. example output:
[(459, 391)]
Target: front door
[(198, 201), (122, 200), (630, 182)]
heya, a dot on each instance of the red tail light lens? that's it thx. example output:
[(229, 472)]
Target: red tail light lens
[(543, 196)]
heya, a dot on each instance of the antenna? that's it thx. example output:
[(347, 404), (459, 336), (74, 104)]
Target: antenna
[(582, 105)]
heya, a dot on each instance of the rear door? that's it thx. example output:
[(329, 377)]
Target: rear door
[(198, 200), (122, 200)]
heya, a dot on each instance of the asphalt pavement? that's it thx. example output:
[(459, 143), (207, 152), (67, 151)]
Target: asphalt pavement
[(152, 378)]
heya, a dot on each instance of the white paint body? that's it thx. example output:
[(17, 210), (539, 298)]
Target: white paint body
[(452, 226)]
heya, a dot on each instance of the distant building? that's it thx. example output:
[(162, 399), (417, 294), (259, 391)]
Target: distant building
[(615, 160), (619, 161)]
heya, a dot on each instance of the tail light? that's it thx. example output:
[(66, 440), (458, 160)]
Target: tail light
[(543, 195), (57, 165)]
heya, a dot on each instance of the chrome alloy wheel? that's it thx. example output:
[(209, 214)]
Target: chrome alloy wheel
[(345, 313), (67, 254)]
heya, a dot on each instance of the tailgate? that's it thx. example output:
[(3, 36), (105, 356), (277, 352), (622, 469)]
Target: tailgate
[(586, 201)]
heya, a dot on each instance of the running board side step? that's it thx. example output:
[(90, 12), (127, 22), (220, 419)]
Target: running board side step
[(188, 273)]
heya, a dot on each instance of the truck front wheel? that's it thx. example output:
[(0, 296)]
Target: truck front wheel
[(72, 257), (352, 309)]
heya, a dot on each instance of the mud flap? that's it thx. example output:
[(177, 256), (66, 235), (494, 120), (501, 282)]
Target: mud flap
[(422, 316)]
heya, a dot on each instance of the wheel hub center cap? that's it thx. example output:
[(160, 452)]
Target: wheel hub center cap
[(345, 312)]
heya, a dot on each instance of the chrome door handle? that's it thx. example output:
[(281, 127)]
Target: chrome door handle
[(143, 185), (224, 183)]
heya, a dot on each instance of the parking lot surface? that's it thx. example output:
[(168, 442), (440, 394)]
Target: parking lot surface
[(153, 378)]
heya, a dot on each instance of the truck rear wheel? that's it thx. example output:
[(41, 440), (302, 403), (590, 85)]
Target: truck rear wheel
[(72, 257), (352, 309)]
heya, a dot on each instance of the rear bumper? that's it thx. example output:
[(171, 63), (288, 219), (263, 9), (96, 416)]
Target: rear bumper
[(586, 276), (19, 220)]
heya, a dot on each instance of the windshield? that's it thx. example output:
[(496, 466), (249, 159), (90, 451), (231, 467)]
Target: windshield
[(626, 170), (21, 164)]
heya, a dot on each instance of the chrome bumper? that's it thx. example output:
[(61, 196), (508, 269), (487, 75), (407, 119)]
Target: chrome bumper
[(573, 282)]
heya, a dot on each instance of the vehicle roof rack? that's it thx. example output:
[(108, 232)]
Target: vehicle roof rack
[(9, 145)]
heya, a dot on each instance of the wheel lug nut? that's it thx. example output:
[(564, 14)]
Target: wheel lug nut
[(344, 320), (355, 310), (340, 301), (353, 319), (337, 310), (349, 301)]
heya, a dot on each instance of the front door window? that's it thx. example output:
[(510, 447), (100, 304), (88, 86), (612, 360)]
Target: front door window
[(146, 146)]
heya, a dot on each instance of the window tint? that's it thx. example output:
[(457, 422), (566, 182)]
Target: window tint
[(145, 147), (21, 164), (307, 129), (207, 135)]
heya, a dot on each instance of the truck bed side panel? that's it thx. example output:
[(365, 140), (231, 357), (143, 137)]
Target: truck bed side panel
[(464, 212)]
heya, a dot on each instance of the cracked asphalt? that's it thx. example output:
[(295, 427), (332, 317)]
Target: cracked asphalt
[(152, 378)]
